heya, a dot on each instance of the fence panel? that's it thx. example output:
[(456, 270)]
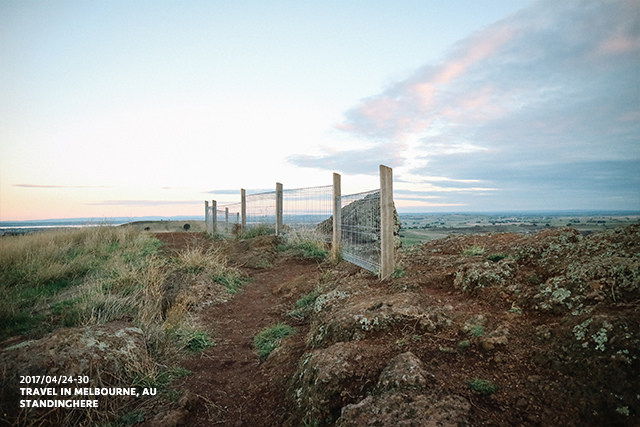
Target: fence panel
[(361, 229), (261, 209), (304, 209), (226, 223), (307, 213)]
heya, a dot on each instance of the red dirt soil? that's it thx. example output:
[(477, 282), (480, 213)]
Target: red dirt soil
[(231, 384)]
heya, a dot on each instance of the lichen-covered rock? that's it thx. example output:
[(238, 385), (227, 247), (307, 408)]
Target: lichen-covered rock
[(485, 274), (106, 354), (358, 317), (328, 379), (405, 399), (405, 410), (112, 349), (405, 371)]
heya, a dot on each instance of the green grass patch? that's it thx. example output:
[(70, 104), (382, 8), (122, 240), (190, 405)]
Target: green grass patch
[(308, 299), (496, 257), (257, 231), (473, 251), (37, 269), (303, 304), (464, 344), (269, 338), (196, 341), (305, 249), (484, 387), (477, 331), (233, 282)]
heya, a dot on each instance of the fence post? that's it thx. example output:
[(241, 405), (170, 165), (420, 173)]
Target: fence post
[(336, 250), (214, 217), (226, 220), (387, 256), (243, 208), (206, 216), (279, 210)]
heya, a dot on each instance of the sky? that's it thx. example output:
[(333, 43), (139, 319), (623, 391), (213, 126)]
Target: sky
[(135, 108)]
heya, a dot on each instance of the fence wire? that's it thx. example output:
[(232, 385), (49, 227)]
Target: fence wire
[(261, 209), (228, 216), (308, 214), (305, 209), (361, 229)]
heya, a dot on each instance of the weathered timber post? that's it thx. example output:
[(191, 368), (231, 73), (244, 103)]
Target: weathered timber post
[(206, 215), (214, 217), (387, 255), (336, 241), (226, 220), (279, 210), (243, 208)]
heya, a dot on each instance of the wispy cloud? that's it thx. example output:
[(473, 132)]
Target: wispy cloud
[(540, 99), (57, 186), (237, 191), (145, 203)]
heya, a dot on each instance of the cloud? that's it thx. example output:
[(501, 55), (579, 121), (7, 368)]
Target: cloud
[(145, 203), (57, 186), (365, 161), (236, 191), (540, 99)]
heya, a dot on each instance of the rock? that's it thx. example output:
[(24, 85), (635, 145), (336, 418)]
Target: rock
[(396, 409), (328, 379), (359, 317), (405, 400), (405, 371), (106, 354)]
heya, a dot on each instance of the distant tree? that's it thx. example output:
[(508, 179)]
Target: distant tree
[(186, 227)]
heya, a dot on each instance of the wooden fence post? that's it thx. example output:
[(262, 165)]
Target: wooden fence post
[(387, 255), (279, 209), (336, 241), (206, 216), (243, 208), (214, 217)]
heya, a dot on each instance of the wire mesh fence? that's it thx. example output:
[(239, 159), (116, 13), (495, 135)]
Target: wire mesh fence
[(304, 209), (228, 218), (261, 209), (366, 222), (361, 229)]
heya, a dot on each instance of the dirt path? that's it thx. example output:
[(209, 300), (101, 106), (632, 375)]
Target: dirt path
[(233, 387)]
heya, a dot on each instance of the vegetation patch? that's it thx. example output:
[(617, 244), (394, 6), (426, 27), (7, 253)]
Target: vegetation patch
[(481, 386), (473, 251), (305, 248), (45, 277), (269, 338)]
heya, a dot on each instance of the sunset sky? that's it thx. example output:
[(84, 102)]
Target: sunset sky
[(133, 108)]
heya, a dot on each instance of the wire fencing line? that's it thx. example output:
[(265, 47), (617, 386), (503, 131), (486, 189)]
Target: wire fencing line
[(361, 229)]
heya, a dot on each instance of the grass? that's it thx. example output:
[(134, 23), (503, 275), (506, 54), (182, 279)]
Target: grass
[(196, 341), (477, 331), (496, 257), (91, 276), (44, 277), (305, 245), (473, 251), (212, 262), (304, 303), (484, 387), (269, 338), (256, 231)]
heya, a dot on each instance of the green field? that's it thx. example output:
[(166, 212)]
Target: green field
[(418, 228)]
